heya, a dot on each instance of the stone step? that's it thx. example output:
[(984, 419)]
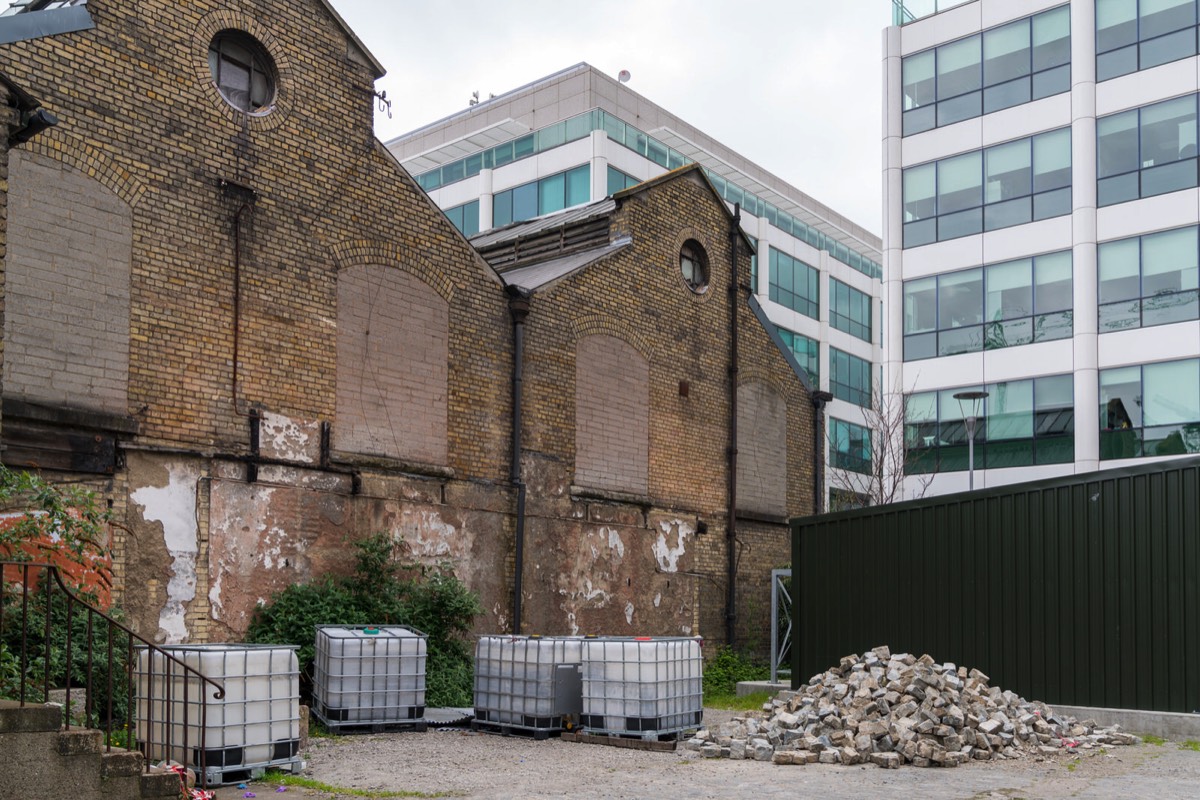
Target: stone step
[(80, 742), (15, 718)]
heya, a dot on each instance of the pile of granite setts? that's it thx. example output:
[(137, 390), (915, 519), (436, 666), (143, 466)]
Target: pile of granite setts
[(891, 710)]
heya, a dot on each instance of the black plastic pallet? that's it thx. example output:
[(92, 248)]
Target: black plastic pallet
[(499, 728), (350, 728)]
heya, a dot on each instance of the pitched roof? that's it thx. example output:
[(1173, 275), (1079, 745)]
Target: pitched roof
[(379, 69)]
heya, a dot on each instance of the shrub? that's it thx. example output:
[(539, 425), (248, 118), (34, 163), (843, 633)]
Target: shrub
[(727, 668), (381, 591)]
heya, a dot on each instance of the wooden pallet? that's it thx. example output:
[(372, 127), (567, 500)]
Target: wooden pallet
[(633, 742)]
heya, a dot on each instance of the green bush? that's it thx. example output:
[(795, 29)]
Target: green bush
[(381, 591), (727, 668)]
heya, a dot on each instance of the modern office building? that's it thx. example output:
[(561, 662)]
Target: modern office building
[(1041, 234), (579, 135)]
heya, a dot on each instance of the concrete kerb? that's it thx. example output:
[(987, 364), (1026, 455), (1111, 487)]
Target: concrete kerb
[(1176, 727)]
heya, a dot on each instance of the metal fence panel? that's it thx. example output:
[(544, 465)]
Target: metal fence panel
[(1081, 590)]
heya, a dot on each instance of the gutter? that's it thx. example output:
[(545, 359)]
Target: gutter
[(518, 308), (731, 524)]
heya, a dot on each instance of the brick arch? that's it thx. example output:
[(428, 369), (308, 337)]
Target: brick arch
[(774, 379), (217, 21), (74, 151), (762, 448), (364, 252), (592, 324)]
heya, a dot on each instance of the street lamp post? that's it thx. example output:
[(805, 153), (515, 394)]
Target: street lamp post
[(975, 400)]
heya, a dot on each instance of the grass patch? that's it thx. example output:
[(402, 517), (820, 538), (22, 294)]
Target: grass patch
[(1072, 766), (731, 702), (1150, 738), (308, 783), (1190, 744)]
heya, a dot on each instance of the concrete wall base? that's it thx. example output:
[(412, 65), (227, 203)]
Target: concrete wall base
[(1168, 725)]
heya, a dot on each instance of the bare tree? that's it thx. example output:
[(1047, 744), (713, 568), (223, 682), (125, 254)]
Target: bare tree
[(879, 479)]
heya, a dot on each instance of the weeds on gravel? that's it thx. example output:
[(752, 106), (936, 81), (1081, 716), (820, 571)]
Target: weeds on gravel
[(731, 702), (1073, 765), (273, 777), (1190, 744), (1150, 738)]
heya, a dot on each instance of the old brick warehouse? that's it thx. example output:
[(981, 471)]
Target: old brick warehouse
[(233, 313)]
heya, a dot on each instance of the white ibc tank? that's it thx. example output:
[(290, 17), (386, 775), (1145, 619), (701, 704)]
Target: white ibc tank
[(516, 684), (642, 685), (256, 723), (369, 674)]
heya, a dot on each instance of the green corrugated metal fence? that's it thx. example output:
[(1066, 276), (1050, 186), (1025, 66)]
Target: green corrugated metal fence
[(1083, 590)]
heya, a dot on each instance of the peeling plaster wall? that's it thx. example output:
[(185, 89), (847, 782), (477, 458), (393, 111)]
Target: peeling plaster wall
[(164, 498)]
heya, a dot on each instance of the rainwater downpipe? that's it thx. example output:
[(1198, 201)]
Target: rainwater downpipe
[(518, 307), (731, 524), (819, 399)]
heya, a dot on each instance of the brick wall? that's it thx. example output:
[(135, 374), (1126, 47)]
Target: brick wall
[(392, 342), (762, 449), (612, 393), (67, 336)]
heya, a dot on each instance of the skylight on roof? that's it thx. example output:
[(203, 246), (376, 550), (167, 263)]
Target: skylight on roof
[(12, 7)]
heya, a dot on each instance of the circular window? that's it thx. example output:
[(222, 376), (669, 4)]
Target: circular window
[(243, 71), (693, 265)]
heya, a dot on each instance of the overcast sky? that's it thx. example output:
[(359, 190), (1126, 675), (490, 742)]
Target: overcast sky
[(793, 85)]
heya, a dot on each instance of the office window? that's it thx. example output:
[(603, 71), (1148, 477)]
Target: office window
[(545, 196), (807, 352), (1150, 410), (794, 284), (1002, 67), (465, 217), (1004, 185), (1149, 280), (850, 310), (1139, 34), (1001, 305), (849, 378), (619, 181), (849, 446), (1020, 423), (1146, 151)]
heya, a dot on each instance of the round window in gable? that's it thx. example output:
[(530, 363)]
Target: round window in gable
[(693, 266), (243, 71)]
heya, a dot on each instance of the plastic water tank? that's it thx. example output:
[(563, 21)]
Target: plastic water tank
[(527, 681), (371, 675), (642, 685), (256, 723)]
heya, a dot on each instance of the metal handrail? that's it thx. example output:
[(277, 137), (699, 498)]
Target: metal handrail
[(173, 670)]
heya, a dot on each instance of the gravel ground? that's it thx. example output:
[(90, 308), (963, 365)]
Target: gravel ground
[(465, 764)]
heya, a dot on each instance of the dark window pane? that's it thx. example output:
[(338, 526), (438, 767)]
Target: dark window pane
[(998, 455), (1052, 204), (1055, 450), (1168, 440), (958, 67), (1120, 444), (1116, 23), (1169, 177), (921, 346), (1163, 309), (1049, 327), (963, 223), (1117, 144), (502, 209), (525, 202), (1116, 190), (1006, 95), (1162, 17), (1120, 316), (1050, 82), (1117, 63), (1008, 334), (919, 119), (1181, 44), (1007, 214), (523, 147), (1052, 38), (966, 106), (1006, 53), (960, 340)]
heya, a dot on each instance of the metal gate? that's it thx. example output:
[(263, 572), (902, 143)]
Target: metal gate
[(781, 623)]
